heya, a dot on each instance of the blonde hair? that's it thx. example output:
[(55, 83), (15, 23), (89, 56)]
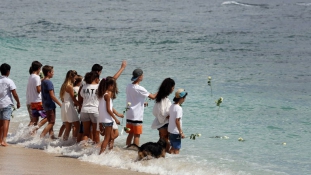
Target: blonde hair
[(69, 80)]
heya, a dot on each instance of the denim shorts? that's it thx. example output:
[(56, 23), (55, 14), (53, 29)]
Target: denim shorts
[(107, 124), (5, 113), (175, 140)]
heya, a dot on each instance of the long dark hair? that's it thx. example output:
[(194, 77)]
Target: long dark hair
[(165, 89), (103, 86)]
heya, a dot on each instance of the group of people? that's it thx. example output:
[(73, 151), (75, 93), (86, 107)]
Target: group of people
[(92, 99)]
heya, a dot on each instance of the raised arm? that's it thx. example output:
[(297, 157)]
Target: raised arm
[(123, 65)]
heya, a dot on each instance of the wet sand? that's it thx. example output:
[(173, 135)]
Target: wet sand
[(17, 160)]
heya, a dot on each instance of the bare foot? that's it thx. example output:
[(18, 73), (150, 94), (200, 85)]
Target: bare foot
[(53, 137), (111, 144), (4, 144)]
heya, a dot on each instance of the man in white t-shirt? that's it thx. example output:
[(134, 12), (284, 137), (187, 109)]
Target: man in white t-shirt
[(7, 89), (175, 121), (136, 95)]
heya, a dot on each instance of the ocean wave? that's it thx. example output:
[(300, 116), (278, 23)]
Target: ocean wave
[(304, 4), (244, 4), (117, 158)]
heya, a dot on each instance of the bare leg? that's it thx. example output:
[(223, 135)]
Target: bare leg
[(95, 133), (114, 135), (136, 139), (42, 122), (61, 130), (47, 129), (4, 128), (75, 129), (67, 130), (86, 130), (80, 135), (129, 139), (108, 130), (163, 133)]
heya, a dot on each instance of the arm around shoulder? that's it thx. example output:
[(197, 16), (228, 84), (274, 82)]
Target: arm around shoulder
[(152, 96)]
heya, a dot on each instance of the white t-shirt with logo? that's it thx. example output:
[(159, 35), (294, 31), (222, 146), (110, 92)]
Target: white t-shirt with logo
[(136, 95), (6, 86), (90, 100), (32, 95), (175, 113)]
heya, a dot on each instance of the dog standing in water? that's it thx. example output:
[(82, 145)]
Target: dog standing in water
[(154, 149)]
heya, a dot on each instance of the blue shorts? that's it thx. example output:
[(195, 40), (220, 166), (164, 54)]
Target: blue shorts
[(5, 113), (107, 124), (175, 140)]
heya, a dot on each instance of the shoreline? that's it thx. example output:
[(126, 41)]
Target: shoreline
[(15, 159)]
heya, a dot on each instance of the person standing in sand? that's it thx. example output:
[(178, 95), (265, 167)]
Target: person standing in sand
[(136, 95), (7, 89), (48, 100), (68, 112)]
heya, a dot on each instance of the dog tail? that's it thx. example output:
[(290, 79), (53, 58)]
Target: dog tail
[(133, 147)]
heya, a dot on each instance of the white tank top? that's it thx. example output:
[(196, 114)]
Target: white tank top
[(104, 116)]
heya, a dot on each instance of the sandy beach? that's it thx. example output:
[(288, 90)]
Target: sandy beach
[(17, 160)]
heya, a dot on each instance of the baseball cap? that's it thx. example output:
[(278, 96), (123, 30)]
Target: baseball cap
[(136, 74), (180, 93)]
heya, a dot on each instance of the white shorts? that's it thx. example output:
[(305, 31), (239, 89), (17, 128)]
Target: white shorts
[(85, 117)]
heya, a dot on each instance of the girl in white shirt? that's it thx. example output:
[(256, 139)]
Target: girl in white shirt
[(107, 91), (161, 109)]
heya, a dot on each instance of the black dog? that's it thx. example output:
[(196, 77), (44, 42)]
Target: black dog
[(151, 149)]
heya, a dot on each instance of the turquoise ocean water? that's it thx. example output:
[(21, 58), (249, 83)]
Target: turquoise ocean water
[(257, 53)]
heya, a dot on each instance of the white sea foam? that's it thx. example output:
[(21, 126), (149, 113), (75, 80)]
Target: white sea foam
[(117, 158), (234, 3), (304, 4)]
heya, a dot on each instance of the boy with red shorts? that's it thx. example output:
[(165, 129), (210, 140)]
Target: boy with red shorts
[(136, 95)]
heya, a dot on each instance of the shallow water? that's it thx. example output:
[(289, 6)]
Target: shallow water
[(257, 53)]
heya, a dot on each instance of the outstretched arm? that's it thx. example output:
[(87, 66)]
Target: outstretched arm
[(152, 96), (117, 114), (123, 65)]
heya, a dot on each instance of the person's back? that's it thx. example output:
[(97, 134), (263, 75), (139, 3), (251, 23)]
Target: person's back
[(6, 85), (90, 101), (33, 82), (136, 95)]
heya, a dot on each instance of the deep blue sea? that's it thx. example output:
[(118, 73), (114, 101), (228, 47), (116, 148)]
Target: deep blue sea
[(257, 53)]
